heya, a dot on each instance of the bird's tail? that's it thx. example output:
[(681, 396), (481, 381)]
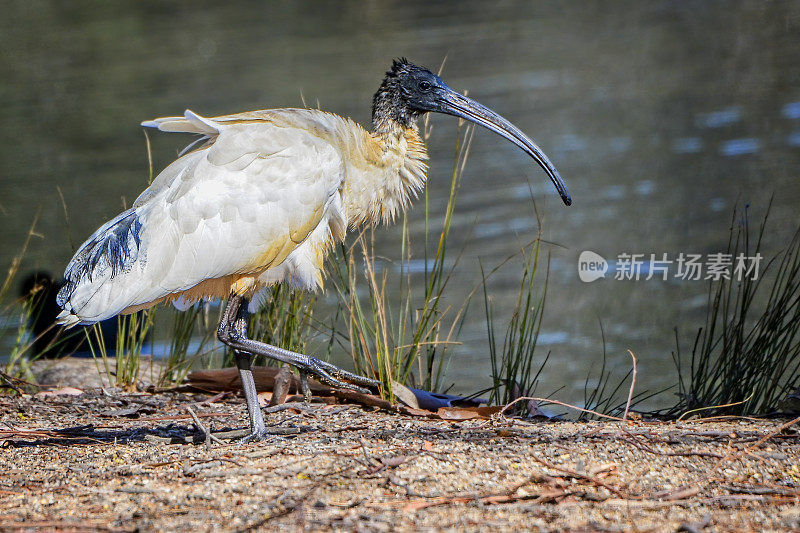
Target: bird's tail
[(68, 319), (190, 122), (110, 251)]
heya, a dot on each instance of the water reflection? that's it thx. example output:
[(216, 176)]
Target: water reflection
[(719, 119), (736, 147), (791, 110), (661, 118), (687, 145)]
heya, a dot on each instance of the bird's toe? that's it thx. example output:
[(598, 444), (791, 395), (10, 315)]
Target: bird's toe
[(257, 436)]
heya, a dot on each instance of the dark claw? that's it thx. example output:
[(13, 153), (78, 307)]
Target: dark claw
[(317, 367), (257, 436), (349, 376)]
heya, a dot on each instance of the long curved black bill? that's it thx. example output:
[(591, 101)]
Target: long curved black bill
[(456, 104)]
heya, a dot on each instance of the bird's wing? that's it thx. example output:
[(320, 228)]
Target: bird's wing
[(237, 206), (240, 205)]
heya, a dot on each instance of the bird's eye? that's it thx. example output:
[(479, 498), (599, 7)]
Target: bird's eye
[(424, 86)]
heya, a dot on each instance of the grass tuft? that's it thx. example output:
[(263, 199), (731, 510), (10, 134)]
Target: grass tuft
[(400, 342), (514, 370), (133, 334), (15, 315), (191, 332), (746, 358)]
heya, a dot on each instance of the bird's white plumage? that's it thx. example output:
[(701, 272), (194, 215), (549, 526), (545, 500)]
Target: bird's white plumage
[(234, 208), (257, 204)]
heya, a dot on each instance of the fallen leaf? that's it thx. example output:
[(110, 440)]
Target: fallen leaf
[(264, 398), (467, 413), (404, 394), (457, 413), (417, 412)]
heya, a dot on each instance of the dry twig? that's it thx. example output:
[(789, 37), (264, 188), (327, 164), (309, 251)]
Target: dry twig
[(556, 402), (630, 392), (209, 437)]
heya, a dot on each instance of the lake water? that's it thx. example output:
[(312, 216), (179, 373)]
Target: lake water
[(661, 116)]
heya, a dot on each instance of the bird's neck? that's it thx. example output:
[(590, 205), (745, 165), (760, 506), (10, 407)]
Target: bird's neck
[(389, 112), (392, 174)]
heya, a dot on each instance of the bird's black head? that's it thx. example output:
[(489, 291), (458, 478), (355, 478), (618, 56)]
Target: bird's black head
[(408, 91)]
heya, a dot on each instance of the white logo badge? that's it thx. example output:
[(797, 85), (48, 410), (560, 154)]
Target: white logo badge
[(591, 266)]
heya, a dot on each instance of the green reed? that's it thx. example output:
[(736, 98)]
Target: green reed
[(746, 358)]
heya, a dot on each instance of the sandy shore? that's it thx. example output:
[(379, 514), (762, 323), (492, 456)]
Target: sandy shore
[(109, 461)]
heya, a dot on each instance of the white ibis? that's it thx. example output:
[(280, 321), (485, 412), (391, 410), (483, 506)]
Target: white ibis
[(259, 199)]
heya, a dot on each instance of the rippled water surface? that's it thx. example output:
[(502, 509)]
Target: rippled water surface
[(660, 116)]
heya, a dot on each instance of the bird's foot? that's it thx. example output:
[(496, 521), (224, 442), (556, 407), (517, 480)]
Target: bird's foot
[(334, 376), (257, 435)]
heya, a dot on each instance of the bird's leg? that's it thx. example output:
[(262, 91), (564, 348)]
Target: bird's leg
[(240, 332), (258, 430), (325, 372), (234, 324)]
